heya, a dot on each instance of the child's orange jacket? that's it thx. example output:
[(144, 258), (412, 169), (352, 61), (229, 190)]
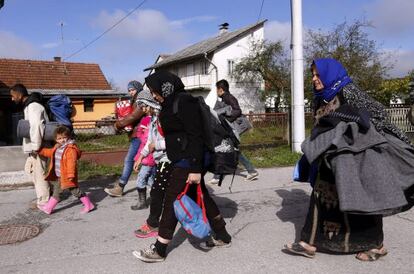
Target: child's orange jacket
[(68, 167)]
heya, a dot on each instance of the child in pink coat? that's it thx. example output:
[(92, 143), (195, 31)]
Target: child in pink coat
[(146, 165)]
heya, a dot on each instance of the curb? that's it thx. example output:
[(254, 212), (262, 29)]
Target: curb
[(14, 178)]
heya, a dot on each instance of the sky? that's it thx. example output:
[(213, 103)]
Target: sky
[(33, 29)]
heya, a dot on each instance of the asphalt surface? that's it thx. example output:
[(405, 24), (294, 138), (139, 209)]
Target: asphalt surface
[(261, 216)]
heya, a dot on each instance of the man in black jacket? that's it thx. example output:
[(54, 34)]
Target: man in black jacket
[(232, 112)]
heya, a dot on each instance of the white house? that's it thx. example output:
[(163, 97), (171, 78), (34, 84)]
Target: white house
[(201, 65)]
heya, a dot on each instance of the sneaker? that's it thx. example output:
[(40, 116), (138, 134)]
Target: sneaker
[(212, 243), (116, 191), (214, 181), (145, 231), (252, 176), (148, 255)]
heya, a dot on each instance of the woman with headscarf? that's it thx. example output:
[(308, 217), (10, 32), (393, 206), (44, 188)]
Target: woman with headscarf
[(182, 127), (361, 169)]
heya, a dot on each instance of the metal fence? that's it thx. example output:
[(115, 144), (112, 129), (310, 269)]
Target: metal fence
[(398, 116), (277, 123), (267, 128), (98, 127)]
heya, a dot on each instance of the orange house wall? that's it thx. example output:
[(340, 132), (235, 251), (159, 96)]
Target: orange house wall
[(101, 108)]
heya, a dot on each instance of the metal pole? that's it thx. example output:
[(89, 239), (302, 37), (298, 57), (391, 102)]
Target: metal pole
[(298, 106)]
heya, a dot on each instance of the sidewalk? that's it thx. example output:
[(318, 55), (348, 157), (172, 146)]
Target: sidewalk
[(261, 216)]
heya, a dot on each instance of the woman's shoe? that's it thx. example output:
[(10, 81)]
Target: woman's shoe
[(372, 254), (148, 255), (145, 231), (298, 249)]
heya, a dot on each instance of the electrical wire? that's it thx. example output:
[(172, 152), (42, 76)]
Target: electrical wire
[(106, 31), (260, 12)]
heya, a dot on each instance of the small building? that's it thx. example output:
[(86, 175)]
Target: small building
[(91, 95), (202, 64)]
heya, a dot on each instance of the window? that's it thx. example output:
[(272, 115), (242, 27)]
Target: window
[(230, 67), (88, 105), (204, 67), (190, 69)]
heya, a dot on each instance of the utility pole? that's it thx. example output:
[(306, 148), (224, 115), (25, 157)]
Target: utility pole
[(298, 105)]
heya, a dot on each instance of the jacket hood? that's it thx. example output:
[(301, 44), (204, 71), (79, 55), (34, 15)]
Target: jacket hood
[(34, 97)]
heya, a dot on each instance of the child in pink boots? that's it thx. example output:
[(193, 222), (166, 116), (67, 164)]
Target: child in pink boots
[(63, 171)]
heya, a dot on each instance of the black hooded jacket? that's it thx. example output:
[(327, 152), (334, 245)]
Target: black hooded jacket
[(182, 130), (34, 97)]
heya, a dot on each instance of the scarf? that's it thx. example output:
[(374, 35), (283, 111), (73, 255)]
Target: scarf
[(333, 76), (58, 156), (145, 98), (168, 85)]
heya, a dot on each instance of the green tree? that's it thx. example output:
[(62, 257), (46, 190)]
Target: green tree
[(266, 61), (349, 44), (392, 89)]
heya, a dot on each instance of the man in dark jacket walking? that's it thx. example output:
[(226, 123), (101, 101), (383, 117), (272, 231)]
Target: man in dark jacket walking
[(231, 113)]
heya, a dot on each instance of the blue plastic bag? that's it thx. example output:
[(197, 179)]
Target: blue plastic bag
[(191, 215), (305, 172)]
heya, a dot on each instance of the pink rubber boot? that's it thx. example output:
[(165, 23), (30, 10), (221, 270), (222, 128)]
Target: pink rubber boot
[(49, 206), (88, 206)]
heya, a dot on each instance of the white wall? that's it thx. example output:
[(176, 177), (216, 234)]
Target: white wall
[(247, 96)]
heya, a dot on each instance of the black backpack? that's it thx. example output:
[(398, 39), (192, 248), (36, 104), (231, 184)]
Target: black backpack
[(219, 139)]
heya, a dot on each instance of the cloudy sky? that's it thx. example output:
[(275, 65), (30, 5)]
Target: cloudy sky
[(32, 29)]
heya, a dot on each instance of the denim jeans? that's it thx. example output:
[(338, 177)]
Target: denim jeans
[(129, 160), (146, 176), (246, 163)]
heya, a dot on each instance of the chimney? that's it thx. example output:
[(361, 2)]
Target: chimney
[(57, 59), (223, 28)]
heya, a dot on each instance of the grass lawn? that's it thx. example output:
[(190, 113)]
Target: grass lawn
[(88, 170), (278, 155), (263, 135), (93, 142), (272, 157)]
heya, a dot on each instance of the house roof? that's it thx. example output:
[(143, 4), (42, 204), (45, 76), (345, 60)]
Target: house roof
[(64, 77), (206, 46)]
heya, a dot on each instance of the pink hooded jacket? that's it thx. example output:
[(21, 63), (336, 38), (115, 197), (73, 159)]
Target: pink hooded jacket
[(142, 134)]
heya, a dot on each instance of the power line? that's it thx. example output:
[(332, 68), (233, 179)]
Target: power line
[(106, 31), (260, 12)]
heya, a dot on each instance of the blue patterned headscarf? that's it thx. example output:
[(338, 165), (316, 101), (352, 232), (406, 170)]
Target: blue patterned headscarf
[(333, 76)]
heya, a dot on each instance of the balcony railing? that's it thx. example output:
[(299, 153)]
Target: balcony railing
[(203, 81)]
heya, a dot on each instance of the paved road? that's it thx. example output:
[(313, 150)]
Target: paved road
[(261, 216)]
